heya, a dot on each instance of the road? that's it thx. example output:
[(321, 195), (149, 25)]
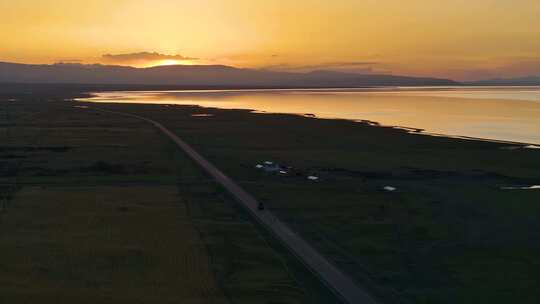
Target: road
[(339, 282)]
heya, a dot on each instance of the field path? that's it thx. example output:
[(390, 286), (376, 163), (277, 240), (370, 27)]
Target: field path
[(339, 282)]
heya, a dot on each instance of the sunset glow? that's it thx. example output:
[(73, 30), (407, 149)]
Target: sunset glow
[(167, 62), (456, 39)]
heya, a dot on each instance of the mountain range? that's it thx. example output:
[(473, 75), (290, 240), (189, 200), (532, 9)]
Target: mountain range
[(520, 81), (198, 75)]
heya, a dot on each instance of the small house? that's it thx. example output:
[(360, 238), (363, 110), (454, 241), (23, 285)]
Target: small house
[(269, 166)]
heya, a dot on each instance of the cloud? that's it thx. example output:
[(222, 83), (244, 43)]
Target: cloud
[(142, 57)]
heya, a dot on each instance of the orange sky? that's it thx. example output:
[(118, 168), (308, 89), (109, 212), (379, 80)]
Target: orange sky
[(454, 38)]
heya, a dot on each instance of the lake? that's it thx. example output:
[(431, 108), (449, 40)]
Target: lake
[(497, 113)]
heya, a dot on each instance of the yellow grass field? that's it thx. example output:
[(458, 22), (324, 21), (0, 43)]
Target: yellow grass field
[(103, 245), (99, 208)]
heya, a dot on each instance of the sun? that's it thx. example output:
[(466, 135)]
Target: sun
[(170, 62)]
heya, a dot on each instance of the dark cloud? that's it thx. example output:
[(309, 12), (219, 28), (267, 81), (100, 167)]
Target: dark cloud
[(143, 56)]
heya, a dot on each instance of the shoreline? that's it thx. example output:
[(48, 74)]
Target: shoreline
[(88, 96), (367, 89)]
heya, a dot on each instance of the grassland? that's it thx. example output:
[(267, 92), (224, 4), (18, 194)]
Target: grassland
[(99, 208), (448, 235)]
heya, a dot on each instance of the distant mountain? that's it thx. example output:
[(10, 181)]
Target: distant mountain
[(521, 81), (198, 75)]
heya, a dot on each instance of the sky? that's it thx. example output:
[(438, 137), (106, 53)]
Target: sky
[(458, 39)]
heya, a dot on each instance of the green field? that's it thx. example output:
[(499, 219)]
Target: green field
[(99, 208), (448, 235)]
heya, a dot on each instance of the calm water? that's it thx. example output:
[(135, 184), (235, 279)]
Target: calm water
[(500, 113)]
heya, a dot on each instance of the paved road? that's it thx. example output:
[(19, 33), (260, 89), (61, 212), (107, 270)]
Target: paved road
[(340, 283)]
